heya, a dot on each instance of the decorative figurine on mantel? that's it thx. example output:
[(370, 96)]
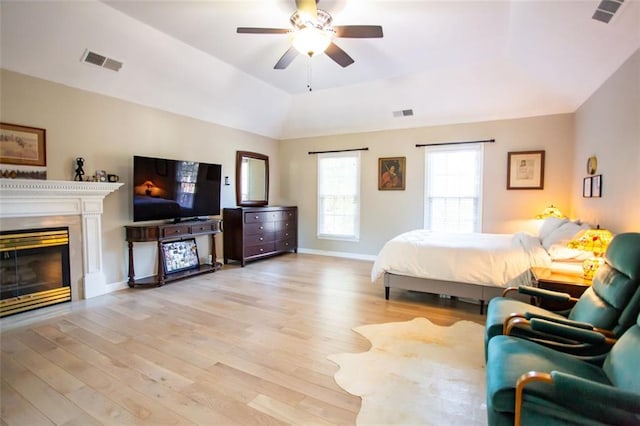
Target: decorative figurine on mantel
[(79, 169)]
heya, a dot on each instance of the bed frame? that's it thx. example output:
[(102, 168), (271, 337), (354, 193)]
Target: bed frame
[(480, 292)]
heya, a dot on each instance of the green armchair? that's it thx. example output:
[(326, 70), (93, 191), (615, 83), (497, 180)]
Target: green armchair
[(530, 384), (610, 305)]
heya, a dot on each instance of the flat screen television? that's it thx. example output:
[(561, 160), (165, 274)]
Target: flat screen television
[(174, 189)]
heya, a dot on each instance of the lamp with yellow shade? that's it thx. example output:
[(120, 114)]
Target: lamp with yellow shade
[(595, 241), (550, 211)]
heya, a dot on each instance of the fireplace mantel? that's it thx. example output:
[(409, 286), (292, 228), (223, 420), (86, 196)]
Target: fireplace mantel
[(22, 198)]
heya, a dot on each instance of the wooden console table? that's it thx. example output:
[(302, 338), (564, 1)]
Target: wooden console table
[(161, 233)]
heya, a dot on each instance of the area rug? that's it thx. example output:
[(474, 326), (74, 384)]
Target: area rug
[(417, 373)]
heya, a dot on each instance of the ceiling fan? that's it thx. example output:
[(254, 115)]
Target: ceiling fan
[(312, 33)]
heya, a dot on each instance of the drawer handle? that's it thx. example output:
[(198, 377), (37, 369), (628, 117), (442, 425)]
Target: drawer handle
[(257, 217), (261, 239), (261, 250), (261, 227)]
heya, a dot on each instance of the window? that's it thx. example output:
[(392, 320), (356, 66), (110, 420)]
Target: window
[(453, 188), (339, 196)]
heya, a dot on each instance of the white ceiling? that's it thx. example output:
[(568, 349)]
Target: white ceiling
[(449, 61)]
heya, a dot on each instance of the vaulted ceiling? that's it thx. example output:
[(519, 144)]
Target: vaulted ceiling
[(448, 61)]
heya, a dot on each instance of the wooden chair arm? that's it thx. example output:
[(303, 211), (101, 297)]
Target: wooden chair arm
[(508, 319), (514, 322), (526, 378), (508, 290)]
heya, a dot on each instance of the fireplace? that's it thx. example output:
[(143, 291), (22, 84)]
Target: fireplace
[(28, 204), (34, 269)]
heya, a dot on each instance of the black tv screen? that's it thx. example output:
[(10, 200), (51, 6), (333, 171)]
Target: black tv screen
[(174, 189)]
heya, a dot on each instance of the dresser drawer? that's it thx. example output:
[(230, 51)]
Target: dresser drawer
[(284, 225), (201, 228), (285, 234), (284, 245), (174, 231), (259, 239), (259, 249), (258, 228), (257, 217)]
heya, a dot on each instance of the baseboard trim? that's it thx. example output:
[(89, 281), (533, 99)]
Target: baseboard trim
[(346, 255)]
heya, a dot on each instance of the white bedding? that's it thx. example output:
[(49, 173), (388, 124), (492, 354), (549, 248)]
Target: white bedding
[(499, 260)]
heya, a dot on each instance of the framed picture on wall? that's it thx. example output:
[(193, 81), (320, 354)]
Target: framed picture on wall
[(525, 170), (391, 173), (586, 187), (596, 186), (23, 146)]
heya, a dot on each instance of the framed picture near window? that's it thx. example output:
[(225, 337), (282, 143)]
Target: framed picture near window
[(180, 255), (23, 146), (596, 186), (586, 187), (391, 173), (525, 170)]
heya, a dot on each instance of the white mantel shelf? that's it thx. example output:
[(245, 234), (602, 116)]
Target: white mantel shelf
[(39, 198)]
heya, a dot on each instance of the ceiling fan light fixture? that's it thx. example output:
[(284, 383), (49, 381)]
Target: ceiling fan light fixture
[(311, 40)]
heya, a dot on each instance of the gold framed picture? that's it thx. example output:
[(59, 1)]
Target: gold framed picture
[(23, 146), (391, 173)]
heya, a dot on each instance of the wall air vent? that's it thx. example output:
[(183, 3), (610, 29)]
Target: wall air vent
[(606, 9), (403, 113), (101, 61)]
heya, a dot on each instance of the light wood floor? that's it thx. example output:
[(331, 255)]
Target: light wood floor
[(239, 346)]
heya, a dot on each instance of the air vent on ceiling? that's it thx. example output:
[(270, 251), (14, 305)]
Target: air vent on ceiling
[(606, 9), (403, 113), (101, 61)]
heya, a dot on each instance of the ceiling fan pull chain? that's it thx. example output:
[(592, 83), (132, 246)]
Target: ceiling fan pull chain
[(309, 75)]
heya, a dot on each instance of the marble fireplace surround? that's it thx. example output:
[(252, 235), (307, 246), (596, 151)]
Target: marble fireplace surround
[(29, 203)]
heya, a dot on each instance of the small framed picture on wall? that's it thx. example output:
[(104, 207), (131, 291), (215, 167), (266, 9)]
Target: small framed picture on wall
[(596, 186), (586, 187)]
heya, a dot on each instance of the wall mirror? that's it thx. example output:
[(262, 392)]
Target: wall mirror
[(252, 179)]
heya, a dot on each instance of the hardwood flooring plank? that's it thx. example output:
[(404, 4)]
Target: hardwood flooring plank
[(16, 410), (54, 405)]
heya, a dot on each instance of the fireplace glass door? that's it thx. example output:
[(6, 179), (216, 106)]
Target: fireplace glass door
[(34, 269)]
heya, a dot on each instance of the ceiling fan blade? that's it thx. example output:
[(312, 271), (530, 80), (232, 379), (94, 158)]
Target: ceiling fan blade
[(338, 55), (286, 59), (358, 31), (250, 30), (308, 7)]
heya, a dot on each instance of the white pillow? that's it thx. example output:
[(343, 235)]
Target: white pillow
[(563, 234), (549, 225), (560, 252)]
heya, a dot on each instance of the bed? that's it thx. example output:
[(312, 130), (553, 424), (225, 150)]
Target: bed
[(475, 266)]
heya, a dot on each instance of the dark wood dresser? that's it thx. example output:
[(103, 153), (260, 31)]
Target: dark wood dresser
[(252, 233)]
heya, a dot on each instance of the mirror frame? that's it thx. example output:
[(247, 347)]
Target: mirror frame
[(240, 155)]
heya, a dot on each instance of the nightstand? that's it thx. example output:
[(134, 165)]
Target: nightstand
[(563, 281)]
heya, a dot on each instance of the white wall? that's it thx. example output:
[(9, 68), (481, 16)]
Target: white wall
[(608, 126), (385, 214), (107, 132)]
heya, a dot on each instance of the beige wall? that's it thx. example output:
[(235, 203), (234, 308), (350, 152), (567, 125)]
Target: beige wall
[(608, 126), (107, 132), (385, 214)]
